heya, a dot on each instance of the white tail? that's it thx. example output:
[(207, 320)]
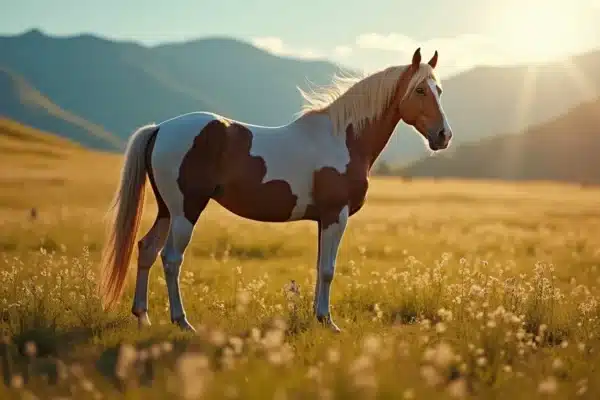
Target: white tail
[(127, 206)]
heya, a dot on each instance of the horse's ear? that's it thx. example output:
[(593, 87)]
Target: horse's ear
[(416, 59), (434, 59)]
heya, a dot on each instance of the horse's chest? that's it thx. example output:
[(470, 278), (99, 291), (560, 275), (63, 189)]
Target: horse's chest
[(357, 192)]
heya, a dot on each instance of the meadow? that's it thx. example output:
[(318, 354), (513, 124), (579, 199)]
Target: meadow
[(443, 289)]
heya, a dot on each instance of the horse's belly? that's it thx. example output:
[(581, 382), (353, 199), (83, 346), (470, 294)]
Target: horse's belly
[(272, 201)]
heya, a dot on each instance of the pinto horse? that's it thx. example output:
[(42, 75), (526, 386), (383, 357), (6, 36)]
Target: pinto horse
[(314, 168)]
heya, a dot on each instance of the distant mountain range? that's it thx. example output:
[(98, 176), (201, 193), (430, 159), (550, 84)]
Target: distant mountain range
[(96, 91), (564, 149)]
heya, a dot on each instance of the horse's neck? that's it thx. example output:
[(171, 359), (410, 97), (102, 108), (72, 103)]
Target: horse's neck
[(367, 144), (376, 133)]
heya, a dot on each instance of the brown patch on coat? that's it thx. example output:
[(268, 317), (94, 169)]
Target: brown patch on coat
[(200, 169), (243, 190), (219, 166), (332, 190)]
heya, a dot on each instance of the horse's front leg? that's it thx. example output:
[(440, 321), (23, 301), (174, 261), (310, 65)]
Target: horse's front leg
[(331, 232)]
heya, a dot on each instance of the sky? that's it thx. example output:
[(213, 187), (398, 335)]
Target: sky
[(367, 34)]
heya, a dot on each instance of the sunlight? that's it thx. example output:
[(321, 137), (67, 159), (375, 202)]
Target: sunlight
[(535, 31), (524, 102), (582, 83)]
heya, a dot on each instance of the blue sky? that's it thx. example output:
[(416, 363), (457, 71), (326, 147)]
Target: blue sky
[(366, 34)]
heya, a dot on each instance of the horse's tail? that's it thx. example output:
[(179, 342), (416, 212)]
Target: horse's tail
[(126, 207)]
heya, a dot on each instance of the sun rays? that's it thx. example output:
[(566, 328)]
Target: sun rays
[(529, 95)]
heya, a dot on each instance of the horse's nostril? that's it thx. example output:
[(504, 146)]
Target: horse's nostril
[(442, 134)]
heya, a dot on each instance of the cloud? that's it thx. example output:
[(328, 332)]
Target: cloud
[(372, 51), (342, 51), (387, 42), (456, 53), (277, 46)]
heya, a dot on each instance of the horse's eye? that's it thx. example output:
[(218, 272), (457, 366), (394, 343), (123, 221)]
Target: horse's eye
[(420, 91)]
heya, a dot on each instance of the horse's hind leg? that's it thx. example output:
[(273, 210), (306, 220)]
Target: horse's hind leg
[(148, 248)]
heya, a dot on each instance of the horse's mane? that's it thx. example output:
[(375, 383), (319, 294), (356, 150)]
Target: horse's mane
[(355, 99)]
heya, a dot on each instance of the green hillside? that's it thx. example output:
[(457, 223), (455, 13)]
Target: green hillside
[(23, 102)]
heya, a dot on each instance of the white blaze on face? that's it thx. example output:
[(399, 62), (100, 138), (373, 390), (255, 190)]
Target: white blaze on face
[(434, 90)]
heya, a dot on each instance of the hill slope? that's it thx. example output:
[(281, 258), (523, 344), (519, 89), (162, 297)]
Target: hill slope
[(564, 149), (24, 103)]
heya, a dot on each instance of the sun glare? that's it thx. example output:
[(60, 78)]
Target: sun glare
[(539, 31)]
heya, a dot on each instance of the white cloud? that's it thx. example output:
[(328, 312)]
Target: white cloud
[(389, 42), (276, 46), (456, 53), (342, 51)]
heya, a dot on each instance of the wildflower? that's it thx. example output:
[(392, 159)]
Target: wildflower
[(581, 391), (127, 356), (237, 344), (273, 338), (155, 351), (231, 392), (457, 388), (30, 349), (430, 375), (440, 327), (87, 385), (16, 381), (371, 344), (313, 373), (564, 344), (193, 371), (359, 365), (333, 356), (218, 338), (548, 386), (558, 364), (403, 348), (243, 299)]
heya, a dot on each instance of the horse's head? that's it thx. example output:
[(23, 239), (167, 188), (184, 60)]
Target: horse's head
[(422, 106)]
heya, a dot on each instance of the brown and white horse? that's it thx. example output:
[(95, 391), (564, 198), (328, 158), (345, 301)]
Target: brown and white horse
[(315, 168)]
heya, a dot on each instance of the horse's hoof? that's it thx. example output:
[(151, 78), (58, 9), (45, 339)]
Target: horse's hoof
[(184, 325), (144, 321), (327, 322)]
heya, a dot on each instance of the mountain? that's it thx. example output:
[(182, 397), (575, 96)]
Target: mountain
[(121, 85), (118, 86), (23, 102), (564, 149)]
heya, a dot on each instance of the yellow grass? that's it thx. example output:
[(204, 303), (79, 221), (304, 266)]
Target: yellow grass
[(444, 289)]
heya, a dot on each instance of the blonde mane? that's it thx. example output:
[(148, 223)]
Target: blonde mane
[(356, 100)]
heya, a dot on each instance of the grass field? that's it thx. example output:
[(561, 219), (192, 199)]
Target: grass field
[(442, 290)]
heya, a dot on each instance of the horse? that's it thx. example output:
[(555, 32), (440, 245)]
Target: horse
[(315, 168)]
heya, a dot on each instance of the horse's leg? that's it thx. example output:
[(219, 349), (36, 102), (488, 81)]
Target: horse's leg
[(172, 254), (180, 234), (318, 283), (331, 237), (148, 248)]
